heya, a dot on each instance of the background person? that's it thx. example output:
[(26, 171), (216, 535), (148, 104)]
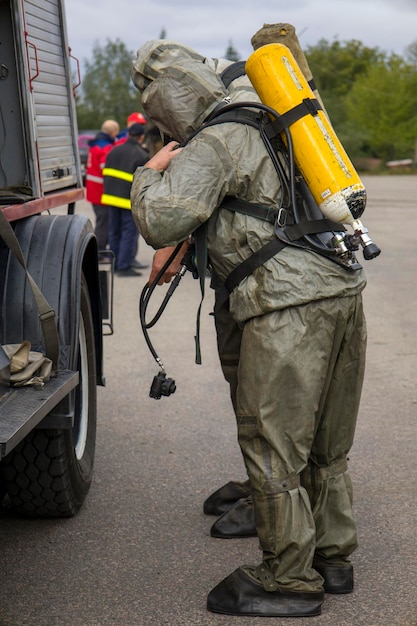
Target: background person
[(121, 163), (134, 118), (99, 148)]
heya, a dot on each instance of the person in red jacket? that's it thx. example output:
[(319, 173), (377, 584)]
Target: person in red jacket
[(100, 146)]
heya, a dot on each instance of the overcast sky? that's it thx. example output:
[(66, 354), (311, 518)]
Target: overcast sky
[(208, 26)]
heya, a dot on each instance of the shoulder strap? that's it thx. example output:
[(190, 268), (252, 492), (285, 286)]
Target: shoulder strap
[(247, 267), (241, 116), (46, 313), (312, 227), (237, 205), (233, 71)]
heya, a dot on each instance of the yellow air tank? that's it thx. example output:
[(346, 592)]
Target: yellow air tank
[(318, 154)]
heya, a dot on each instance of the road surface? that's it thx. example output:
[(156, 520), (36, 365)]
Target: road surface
[(140, 553)]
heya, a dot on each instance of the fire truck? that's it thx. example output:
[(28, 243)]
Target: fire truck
[(49, 271)]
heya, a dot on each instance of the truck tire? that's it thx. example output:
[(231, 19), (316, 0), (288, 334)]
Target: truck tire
[(49, 473)]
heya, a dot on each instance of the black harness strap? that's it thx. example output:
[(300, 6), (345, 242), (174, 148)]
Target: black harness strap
[(267, 214), (246, 268), (236, 70), (242, 116), (308, 106), (311, 227), (237, 205)]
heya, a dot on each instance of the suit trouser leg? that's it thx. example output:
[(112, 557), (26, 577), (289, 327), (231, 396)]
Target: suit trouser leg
[(330, 486), (289, 362), (229, 337)]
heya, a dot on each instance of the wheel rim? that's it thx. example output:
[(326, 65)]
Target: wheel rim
[(81, 408)]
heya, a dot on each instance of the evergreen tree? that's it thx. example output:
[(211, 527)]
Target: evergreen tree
[(231, 53)]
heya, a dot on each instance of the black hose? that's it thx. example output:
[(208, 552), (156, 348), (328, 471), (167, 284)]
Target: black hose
[(146, 294)]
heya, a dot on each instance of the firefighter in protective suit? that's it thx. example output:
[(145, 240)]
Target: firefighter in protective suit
[(302, 349)]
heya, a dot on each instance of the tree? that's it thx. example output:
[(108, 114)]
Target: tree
[(106, 89), (383, 105), (231, 53), (336, 67), (411, 53)]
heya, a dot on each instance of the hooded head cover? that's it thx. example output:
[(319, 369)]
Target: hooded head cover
[(179, 87), (179, 90)]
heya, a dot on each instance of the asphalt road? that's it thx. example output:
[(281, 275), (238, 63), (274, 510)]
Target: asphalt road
[(140, 553)]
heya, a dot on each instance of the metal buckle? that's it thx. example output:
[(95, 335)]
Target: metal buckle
[(282, 217)]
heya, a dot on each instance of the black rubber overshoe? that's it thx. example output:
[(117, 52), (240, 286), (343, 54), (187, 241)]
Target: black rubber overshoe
[(338, 578), (238, 521), (225, 497), (238, 594)]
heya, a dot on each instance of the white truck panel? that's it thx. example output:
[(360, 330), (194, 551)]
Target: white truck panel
[(39, 137)]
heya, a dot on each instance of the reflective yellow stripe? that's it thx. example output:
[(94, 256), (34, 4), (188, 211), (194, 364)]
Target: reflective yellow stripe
[(121, 203), (109, 171)]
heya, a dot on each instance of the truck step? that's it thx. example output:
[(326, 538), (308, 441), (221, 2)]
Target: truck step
[(23, 408)]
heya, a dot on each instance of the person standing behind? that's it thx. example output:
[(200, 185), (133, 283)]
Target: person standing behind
[(133, 118), (120, 165), (99, 148)]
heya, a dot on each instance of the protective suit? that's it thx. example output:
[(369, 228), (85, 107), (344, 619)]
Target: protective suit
[(303, 335)]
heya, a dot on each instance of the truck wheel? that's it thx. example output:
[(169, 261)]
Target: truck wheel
[(49, 473)]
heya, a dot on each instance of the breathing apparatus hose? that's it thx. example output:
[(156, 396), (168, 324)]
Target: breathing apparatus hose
[(145, 297)]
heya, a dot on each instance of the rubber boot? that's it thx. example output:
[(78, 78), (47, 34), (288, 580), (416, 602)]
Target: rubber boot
[(224, 498), (238, 521)]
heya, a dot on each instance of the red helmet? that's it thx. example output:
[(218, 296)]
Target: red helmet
[(136, 118)]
